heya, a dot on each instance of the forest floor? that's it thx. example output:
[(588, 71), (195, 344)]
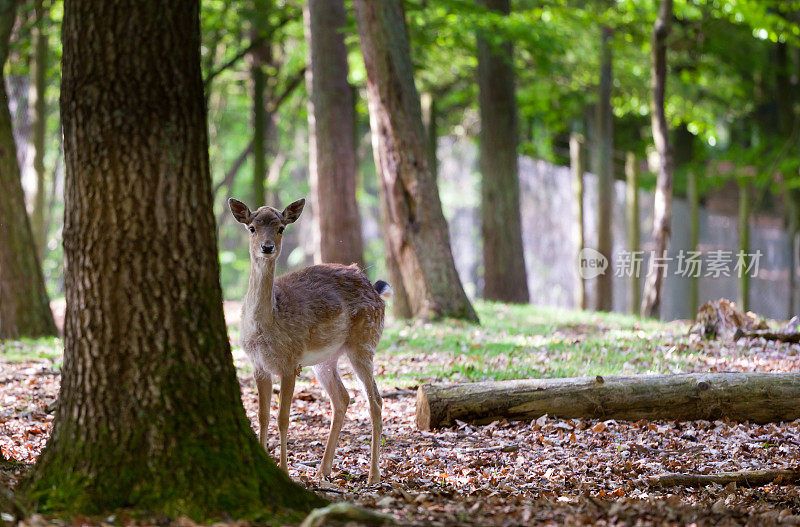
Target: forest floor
[(544, 471)]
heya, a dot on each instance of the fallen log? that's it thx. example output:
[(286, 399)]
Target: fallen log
[(757, 397), (747, 478), (791, 338)]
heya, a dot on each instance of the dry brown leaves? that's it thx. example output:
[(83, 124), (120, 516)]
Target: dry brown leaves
[(550, 471)]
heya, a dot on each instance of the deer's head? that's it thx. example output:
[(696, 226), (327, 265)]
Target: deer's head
[(266, 226)]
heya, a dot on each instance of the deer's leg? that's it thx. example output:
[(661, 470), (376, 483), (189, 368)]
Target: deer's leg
[(264, 385), (328, 376), (287, 392), (362, 364)]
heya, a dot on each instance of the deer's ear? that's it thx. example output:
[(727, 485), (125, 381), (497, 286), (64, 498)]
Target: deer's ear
[(240, 211), (292, 212)]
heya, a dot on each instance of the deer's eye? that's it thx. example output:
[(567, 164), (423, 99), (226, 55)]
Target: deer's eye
[(280, 230), (252, 229)]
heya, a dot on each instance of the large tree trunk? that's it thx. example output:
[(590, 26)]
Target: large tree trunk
[(758, 397), (331, 128), (416, 234), (38, 105), (662, 206), (501, 229), (604, 154), (24, 307), (150, 413)]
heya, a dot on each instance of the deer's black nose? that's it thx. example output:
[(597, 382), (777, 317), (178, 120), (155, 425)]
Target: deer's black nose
[(267, 249)]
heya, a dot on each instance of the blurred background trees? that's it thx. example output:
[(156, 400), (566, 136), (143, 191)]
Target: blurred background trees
[(582, 69)]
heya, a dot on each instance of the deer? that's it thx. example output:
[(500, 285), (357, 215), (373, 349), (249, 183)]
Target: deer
[(310, 317)]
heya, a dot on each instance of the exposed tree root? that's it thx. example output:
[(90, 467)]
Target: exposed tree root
[(344, 512)]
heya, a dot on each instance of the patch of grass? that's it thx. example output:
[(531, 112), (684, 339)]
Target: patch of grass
[(23, 350), (527, 341)]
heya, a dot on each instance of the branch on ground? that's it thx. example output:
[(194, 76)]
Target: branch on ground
[(750, 478)]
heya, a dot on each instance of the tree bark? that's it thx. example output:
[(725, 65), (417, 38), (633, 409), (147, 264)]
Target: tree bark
[(504, 273), (792, 200), (430, 118), (662, 206), (693, 195), (744, 244), (605, 172), (38, 105), (417, 237), (757, 397), (331, 129), (632, 208), (577, 164), (150, 413), (258, 77), (24, 306)]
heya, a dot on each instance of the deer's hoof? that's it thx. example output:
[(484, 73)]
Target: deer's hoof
[(374, 479)]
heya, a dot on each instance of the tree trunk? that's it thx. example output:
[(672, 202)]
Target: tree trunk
[(662, 206), (757, 397), (784, 90), (693, 196), (744, 244), (331, 129), (38, 104), (632, 203), (150, 413), (792, 200), (258, 191), (504, 274), (605, 172), (577, 164), (430, 118), (24, 307), (417, 236)]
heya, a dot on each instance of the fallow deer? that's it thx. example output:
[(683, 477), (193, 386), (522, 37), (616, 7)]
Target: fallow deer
[(310, 317)]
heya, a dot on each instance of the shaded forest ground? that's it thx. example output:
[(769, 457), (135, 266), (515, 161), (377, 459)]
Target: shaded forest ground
[(506, 473)]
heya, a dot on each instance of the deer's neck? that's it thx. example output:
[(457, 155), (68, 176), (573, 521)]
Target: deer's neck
[(260, 299)]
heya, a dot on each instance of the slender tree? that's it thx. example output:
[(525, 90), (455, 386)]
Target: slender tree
[(416, 235), (150, 413), (24, 306), (331, 128), (604, 155), (662, 206), (501, 229), (38, 105), (258, 57), (577, 167)]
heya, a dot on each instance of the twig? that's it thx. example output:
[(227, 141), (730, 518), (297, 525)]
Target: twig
[(342, 512), (753, 478), (500, 448)]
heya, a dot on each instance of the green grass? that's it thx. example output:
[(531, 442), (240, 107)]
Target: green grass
[(526, 341), (43, 349), (513, 341)]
